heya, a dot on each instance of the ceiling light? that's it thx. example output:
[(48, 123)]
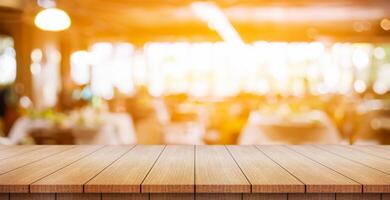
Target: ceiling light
[(216, 20), (52, 19)]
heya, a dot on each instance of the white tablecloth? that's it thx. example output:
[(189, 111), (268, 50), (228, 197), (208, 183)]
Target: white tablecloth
[(273, 129), (116, 128)]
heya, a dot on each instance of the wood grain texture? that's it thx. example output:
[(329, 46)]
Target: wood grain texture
[(216, 171), (113, 196), (178, 172), (311, 196), (358, 156), (2, 147), (318, 178), (73, 177), (264, 197), (4, 196), (14, 162), (173, 171), (385, 196), (19, 179), (75, 196), (358, 196), (219, 196), (264, 175), (386, 147), (127, 173), (371, 179), (167, 196), (32, 196), (373, 150), (17, 150)]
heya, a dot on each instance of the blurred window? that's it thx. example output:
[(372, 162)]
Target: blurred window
[(7, 60), (224, 69)]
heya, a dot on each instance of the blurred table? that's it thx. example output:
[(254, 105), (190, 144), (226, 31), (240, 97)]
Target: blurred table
[(115, 129), (305, 128)]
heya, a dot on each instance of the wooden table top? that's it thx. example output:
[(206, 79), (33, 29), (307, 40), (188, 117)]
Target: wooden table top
[(195, 169)]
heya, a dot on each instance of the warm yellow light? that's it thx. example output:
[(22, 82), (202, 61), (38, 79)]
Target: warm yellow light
[(52, 19), (385, 24)]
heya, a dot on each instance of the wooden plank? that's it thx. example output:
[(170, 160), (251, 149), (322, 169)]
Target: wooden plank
[(172, 196), (371, 179), (72, 177), (173, 171), (264, 196), (317, 178), (78, 196), (218, 196), (19, 179), (358, 156), (387, 147), (306, 196), (373, 150), (385, 196), (28, 196), (126, 174), (216, 171), (358, 196), (4, 196), (17, 150), (264, 174), (11, 163), (117, 196), (2, 147)]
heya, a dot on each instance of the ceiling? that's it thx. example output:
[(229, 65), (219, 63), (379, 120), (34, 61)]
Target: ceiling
[(173, 20)]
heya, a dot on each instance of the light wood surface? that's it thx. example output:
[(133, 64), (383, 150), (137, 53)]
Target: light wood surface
[(216, 171), (19, 180), (371, 179), (373, 150), (2, 147), (11, 163), (17, 150), (387, 147), (127, 173), (265, 175), (317, 178), (144, 172), (359, 156), (173, 172), (73, 177)]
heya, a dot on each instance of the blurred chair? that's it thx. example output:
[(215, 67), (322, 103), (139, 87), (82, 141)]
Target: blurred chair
[(373, 125)]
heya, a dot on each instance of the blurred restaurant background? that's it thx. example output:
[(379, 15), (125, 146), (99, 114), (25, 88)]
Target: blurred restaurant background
[(194, 72)]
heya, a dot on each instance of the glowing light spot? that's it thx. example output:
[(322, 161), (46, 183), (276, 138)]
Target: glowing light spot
[(35, 68), (359, 86), (379, 53), (52, 19), (385, 24), (360, 58)]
